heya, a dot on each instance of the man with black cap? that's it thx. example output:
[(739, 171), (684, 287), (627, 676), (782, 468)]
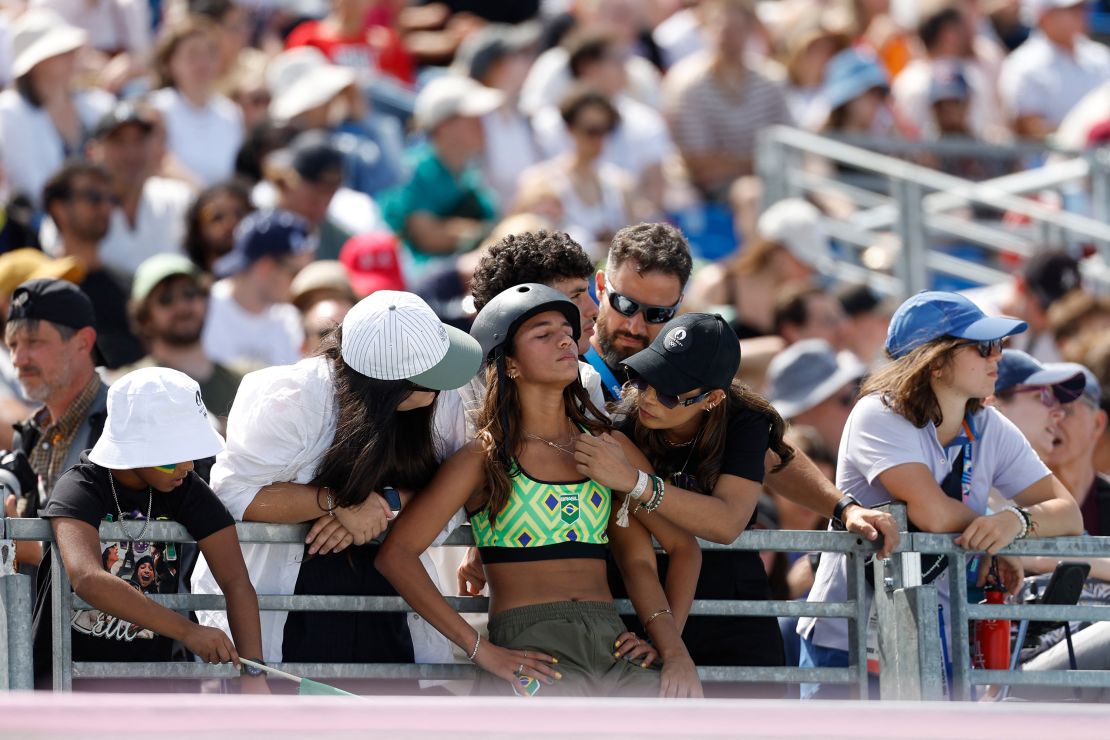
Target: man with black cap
[(1045, 278), (148, 216), (51, 333)]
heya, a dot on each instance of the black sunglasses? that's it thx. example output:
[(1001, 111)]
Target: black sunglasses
[(986, 348), (627, 307), (667, 400)]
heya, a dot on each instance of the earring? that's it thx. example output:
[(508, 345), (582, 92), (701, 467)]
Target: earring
[(513, 375)]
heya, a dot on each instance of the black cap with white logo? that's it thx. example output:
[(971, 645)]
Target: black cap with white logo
[(694, 350)]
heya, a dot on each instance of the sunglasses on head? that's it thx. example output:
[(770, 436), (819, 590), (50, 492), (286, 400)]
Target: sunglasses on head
[(665, 399), (986, 348), (628, 308)]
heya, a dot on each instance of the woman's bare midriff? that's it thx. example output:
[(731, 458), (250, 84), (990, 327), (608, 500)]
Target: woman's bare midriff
[(513, 585)]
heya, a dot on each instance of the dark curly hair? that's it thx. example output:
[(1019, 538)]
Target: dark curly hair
[(528, 257), (652, 248)]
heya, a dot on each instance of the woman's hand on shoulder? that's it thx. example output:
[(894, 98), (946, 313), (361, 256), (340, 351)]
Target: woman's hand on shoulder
[(602, 459), (680, 678)]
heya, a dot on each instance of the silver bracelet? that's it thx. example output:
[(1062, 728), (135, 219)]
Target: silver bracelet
[(642, 480), (474, 652), (1021, 518)]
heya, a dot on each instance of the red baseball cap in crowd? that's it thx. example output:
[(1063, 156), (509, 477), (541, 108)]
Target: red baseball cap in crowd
[(372, 263)]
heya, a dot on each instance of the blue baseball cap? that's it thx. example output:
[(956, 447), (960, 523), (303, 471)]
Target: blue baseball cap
[(850, 74), (1018, 368), (261, 234), (932, 314), (1091, 389)]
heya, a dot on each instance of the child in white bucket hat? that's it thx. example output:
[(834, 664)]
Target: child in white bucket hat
[(141, 470)]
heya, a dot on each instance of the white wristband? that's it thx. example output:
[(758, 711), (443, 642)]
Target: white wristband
[(642, 481), (1021, 518)]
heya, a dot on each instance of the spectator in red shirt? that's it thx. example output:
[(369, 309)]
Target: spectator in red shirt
[(345, 39)]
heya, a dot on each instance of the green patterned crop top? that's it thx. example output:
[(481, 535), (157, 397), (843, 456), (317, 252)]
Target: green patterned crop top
[(545, 521)]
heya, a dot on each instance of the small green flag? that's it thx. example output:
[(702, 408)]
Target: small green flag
[(315, 688)]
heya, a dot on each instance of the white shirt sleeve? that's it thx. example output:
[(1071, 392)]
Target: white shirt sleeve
[(877, 439), (273, 430)]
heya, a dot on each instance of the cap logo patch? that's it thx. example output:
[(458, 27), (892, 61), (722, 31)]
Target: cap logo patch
[(675, 341), (21, 298)]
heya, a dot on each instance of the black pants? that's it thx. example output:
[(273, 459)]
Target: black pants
[(345, 637)]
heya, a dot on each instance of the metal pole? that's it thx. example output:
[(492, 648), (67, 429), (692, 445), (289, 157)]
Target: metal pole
[(16, 605), (857, 634), (957, 625), (771, 164), (62, 614), (912, 264)]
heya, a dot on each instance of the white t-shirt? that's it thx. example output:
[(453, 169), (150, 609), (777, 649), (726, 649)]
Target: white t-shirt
[(641, 140), (512, 149), (1040, 78), (234, 336), (877, 439), (159, 227), (281, 424), (31, 149), (205, 140)]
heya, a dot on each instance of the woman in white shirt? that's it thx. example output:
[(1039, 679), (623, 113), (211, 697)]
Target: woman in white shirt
[(317, 442), (921, 435), (43, 119), (204, 129)]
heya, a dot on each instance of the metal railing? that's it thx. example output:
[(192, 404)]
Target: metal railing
[(914, 210), (17, 612), (910, 649)]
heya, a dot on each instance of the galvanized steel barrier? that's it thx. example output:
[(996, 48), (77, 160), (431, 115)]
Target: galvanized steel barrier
[(17, 612), (910, 653)]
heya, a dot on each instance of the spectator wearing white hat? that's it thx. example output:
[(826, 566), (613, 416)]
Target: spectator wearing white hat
[(308, 92), (811, 384), (139, 471), (1057, 65), (445, 207), (791, 247), (203, 128), (43, 117), (319, 442)]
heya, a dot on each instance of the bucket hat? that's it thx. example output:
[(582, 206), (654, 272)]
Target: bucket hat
[(301, 79), (807, 373), (156, 416), (39, 34)]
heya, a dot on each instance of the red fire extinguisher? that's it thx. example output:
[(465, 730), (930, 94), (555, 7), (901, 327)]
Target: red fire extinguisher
[(992, 636)]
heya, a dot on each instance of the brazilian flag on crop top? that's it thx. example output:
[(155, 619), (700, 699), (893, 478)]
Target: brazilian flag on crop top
[(545, 520)]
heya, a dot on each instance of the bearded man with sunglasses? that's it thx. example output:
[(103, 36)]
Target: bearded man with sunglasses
[(639, 291), (169, 305)]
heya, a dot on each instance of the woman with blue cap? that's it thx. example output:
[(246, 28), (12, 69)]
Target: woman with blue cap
[(921, 435)]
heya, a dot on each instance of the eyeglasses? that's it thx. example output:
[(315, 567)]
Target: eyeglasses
[(986, 348), (187, 293), (1045, 395), (665, 399), (628, 308)]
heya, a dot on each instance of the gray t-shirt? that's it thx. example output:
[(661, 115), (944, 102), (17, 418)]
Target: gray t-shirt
[(877, 439)]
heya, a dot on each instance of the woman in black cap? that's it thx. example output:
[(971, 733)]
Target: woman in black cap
[(707, 435), (543, 530)]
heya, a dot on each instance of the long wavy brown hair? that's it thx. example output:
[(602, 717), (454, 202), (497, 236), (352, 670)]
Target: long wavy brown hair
[(904, 385), (499, 427), (709, 446)]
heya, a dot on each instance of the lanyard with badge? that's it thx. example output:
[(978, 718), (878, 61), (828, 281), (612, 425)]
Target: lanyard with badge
[(607, 376)]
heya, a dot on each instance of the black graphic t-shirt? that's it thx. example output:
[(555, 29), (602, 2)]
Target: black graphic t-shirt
[(83, 493)]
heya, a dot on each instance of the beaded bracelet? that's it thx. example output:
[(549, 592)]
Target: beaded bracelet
[(1021, 518), (658, 489), (474, 652), (655, 615)]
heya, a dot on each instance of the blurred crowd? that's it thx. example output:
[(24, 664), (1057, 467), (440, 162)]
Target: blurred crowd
[(224, 180)]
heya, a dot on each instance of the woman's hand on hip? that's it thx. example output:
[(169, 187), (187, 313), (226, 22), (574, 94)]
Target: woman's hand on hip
[(508, 664), (680, 679), (602, 459), (367, 520)]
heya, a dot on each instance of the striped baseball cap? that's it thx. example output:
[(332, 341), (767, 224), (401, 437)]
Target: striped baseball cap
[(394, 335)]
